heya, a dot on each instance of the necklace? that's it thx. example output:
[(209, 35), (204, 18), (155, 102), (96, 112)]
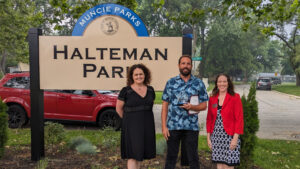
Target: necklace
[(138, 87)]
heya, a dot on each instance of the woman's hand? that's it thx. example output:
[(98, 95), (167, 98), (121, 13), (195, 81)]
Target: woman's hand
[(234, 142), (209, 141)]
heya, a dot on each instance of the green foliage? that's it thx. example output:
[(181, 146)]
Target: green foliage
[(109, 138), (82, 145), (86, 148), (229, 51), (42, 164), (251, 126), (272, 17), (74, 142), (54, 133), (3, 127), (239, 53), (131, 4), (161, 146), (17, 16)]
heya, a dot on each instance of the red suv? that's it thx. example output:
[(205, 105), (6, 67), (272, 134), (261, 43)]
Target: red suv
[(71, 105)]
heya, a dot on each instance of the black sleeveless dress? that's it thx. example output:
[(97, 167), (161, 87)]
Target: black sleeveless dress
[(138, 128)]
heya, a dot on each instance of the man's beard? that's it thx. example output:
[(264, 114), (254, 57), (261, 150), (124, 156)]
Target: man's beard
[(185, 73)]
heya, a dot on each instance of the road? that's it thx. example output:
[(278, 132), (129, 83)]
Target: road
[(279, 115)]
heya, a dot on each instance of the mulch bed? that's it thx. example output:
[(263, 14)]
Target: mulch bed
[(63, 158)]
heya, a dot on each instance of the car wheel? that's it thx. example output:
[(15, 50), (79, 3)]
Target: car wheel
[(109, 118), (16, 116)]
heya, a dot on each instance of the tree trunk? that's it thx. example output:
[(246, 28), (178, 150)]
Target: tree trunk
[(195, 38), (202, 52), (297, 79), (3, 62), (245, 80), (295, 65)]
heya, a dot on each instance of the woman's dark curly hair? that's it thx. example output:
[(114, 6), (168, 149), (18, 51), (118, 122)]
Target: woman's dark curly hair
[(230, 88), (144, 69)]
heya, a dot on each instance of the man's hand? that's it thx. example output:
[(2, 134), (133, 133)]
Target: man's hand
[(165, 132), (186, 106)]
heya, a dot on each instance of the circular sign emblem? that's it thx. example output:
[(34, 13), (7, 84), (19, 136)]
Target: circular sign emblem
[(109, 26)]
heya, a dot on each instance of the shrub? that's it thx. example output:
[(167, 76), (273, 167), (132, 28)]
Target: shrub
[(82, 145), (251, 126), (74, 142), (3, 127), (161, 146), (109, 138), (42, 164), (54, 133), (86, 148)]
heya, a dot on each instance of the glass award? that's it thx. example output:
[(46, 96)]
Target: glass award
[(182, 98)]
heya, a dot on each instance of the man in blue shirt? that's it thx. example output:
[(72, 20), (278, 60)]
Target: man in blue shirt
[(178, 124)]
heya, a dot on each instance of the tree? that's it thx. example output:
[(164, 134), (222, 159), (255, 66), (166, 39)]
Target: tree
[(229, 50), (272, 16), (251, 126), (196, 15), (16, 17), (157, 18), (269, 56), (44, 7), (286, 67)]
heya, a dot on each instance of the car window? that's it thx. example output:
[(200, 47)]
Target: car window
[(18, 82), (66, 91), (78, 92), (105, 91), (83, 92), (264, 80)]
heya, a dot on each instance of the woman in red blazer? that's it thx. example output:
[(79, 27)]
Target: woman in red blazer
[(224, 123)]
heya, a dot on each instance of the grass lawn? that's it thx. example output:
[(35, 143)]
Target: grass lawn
[(277, 154), (289, 88), (210, 87), (158, 98), (269, 154)]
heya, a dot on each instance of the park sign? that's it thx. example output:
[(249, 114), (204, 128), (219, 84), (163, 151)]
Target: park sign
[(106, 40)]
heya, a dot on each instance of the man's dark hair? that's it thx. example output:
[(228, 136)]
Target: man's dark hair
[(185, 56), (230, 88), (144, 69)]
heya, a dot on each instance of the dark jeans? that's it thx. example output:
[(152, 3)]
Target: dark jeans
[(188, 139)]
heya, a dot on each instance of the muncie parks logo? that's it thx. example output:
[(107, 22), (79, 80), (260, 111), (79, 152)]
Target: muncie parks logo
[(109, 26)]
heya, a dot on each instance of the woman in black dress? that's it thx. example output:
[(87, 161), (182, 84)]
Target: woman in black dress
[(134, 106)]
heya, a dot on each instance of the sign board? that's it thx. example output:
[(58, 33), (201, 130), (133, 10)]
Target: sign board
[(106, 40), (196, 58)]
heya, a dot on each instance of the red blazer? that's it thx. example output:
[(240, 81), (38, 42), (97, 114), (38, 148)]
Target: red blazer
[(231, 112)]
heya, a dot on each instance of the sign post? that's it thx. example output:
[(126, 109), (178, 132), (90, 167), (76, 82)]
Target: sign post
[(36, 98), (187, 41)]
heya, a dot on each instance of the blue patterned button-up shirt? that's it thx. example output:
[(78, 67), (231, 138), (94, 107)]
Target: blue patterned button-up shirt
[(176, 89)]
